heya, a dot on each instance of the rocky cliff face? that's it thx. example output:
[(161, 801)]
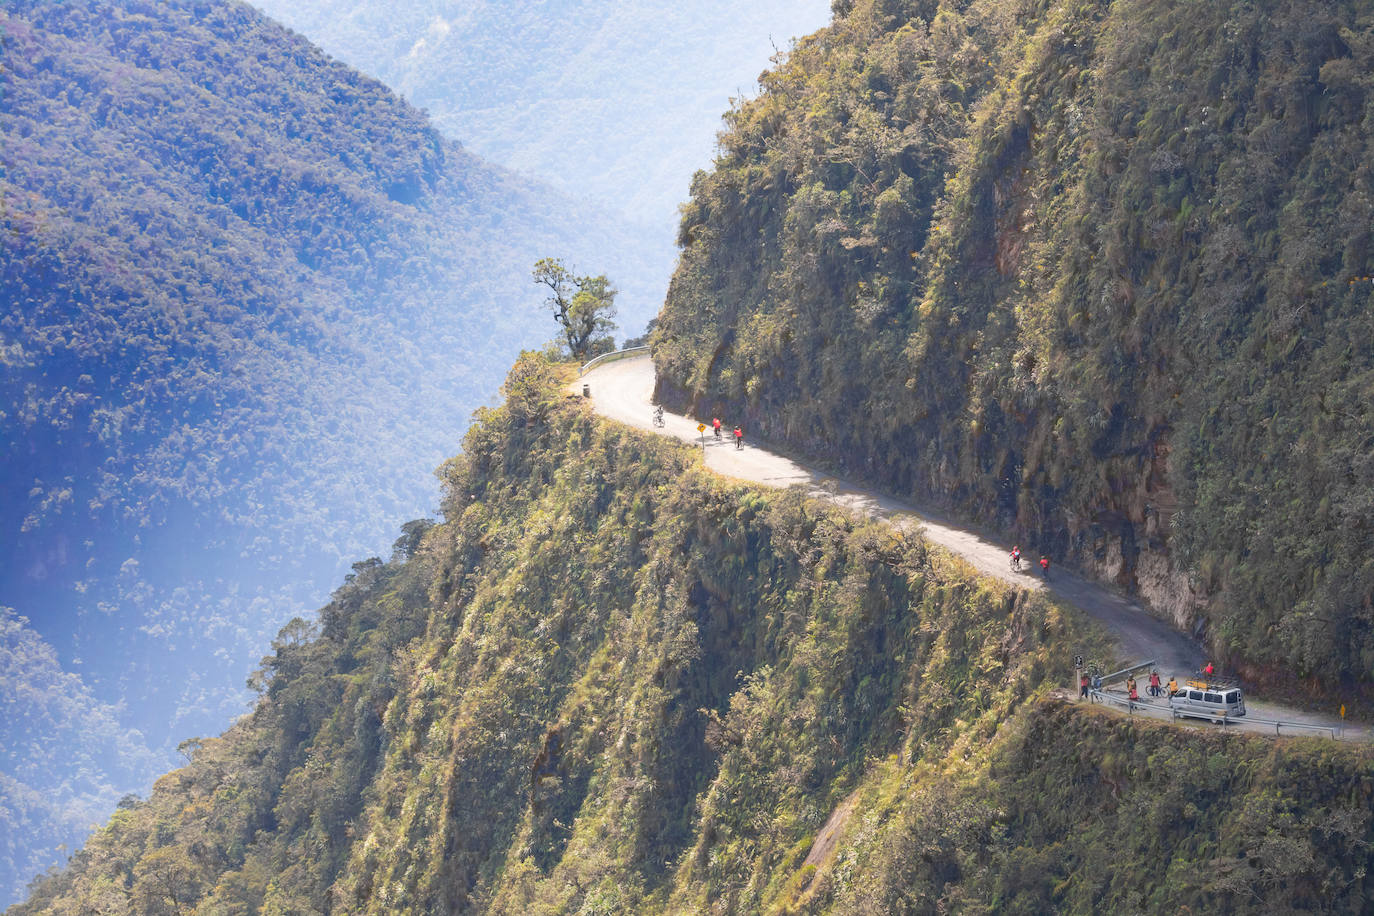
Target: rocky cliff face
[(1096, 275)]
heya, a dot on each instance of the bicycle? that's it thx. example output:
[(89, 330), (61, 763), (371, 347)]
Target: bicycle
[(658, 418)]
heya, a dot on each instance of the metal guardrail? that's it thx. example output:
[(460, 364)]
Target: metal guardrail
[(610, 358), (1119, 675), (1336, 732), (1134, 706)]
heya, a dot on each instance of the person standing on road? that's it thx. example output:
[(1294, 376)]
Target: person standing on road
[(739, 438), (1154, 683), (1083, 686), (715, 424), (1173, 685), (1130, 686)]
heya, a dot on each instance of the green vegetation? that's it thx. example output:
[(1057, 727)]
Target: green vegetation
[(249, 300), (1097, 274), (608, 682), (535, 695), (1084, 811), (584, 307), (1087, 270)]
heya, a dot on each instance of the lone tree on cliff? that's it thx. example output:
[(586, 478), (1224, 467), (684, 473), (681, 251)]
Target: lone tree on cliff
[(584, 306)]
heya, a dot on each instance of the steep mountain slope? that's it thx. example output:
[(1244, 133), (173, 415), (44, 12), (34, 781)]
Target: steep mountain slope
[(250, 299), (610, 683), (616, 100), (1095, 273)]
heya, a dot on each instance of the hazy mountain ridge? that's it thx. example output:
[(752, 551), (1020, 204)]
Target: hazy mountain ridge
[(54, 794), (251, 299), (545, 66), (1095, 275), (616, 101)]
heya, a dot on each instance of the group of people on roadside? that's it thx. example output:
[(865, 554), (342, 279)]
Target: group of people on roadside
[(1156, 687), (739, 432)]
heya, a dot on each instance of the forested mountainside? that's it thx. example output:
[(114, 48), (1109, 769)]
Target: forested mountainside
[(1097, 275), (608, 682), (250, 299)]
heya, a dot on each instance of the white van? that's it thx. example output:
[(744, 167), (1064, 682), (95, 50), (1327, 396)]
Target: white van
[(1209, 702)]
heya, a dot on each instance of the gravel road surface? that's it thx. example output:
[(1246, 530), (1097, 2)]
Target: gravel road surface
[(623, 390)]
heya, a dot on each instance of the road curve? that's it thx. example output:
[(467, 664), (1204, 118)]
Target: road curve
[(623, 391)]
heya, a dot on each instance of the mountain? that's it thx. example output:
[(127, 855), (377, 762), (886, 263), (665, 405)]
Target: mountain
[(610, 682), (962, 248), (618, 101), (1096, 276), (251, 299)]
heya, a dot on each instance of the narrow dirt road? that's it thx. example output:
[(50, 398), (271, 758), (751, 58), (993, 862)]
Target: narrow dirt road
[(623, 391)]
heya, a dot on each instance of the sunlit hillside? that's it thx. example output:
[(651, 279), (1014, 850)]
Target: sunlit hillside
[(1095, 275)]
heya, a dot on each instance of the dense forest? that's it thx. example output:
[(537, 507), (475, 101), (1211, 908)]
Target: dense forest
[(250, 300), (608, 682), (1094, 275)]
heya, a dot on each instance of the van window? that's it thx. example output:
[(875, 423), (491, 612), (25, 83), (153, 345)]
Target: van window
[(1233, 697), (1195, 695), (1213, 698)]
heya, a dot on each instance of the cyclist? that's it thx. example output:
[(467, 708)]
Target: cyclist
[(1016, 557), (739, 438), (658, 415), (1045, 567), (715, 424)]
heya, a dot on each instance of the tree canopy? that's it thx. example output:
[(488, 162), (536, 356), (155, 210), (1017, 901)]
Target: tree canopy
[(583, 306)]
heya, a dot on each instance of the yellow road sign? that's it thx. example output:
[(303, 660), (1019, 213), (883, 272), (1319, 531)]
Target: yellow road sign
[(701, 427)]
